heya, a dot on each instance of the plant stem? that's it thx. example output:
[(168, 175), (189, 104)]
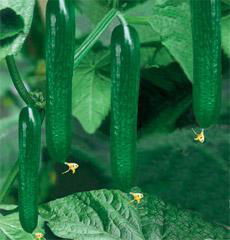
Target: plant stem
[(17, 80), (140, 20), (115, 4), (94, 36), (7, 184)]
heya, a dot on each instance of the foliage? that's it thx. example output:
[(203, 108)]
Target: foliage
[(16, 17), (110, 215), (171, 22), (91, 91)]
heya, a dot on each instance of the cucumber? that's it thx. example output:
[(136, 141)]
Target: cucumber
[(206, 16), (60, 33), (125, 75), (29, 157)]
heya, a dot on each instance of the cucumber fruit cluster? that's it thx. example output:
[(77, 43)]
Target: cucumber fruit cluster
[(60, 35), (125, 79)]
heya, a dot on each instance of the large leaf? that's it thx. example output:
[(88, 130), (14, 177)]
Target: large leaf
[(16, 17), (98, 215), (170, 22), (91, 91), (110, 215), (152, 51), (171, 19), (164, 221)]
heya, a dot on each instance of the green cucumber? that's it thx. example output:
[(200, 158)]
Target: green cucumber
[(29, 157), (125, 75), (60, 34), (206, 17)]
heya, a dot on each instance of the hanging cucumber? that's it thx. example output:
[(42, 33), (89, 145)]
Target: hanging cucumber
[(125, 75), (29, 157), (206, 60), (60, 33)]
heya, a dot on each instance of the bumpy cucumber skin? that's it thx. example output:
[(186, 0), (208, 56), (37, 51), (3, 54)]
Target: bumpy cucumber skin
[(29, 158), (60, 33), (206, 34), (125, 75)]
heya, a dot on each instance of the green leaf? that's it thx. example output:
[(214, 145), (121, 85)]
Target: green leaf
[(164, 221), (225, 33), (10, 24), (91, 91), (10, 228), (16, 17), (152, 51), (110, 215), (98, 215), (169, 21)]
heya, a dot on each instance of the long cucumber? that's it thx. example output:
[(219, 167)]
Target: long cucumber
[(125, 75), (60, 33), (29, 157), (206, 29)]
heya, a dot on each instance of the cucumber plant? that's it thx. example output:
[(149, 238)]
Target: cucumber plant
[(29, 157), (60, 33), (206, 60), (125, 77), (125, 81)]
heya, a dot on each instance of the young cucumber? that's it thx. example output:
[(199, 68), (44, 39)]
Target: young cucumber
[(60, 33), (125, 75), (29, 157), (206, 60)]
